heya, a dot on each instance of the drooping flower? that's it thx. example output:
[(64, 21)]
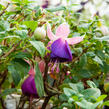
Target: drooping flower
[(60, 50), (28, 87)]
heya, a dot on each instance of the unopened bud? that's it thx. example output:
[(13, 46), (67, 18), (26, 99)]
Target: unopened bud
[(39, 33)]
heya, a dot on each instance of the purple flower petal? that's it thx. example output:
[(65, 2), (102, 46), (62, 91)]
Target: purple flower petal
[(60, 50), (29, 87)]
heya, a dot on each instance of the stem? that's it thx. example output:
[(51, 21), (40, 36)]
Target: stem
[(11, 50), (30, 102), (4, 77), (22, 101), (2, 103), (46, 102)]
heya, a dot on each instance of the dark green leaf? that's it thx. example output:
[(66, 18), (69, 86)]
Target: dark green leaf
[(15, 74), (83, 61), (23, 55), (8, 91), (18, 69), (39, 81), (84, 73)]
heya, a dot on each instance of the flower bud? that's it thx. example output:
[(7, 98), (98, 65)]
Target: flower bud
[(0, 51), (12, 8), (29, 88), (39, 33), (104, 30)]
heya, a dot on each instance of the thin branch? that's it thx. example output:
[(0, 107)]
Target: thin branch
[(22, 101), (46, 102), (3, 78), (4, 9), (2, 103), (11, 50)]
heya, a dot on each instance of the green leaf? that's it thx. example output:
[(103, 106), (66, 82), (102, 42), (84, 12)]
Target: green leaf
[(78, 87), (59, 8), (105, 38), (83, 61), (0, 6), (18, 69), (38, 11), (15, 74), (101, 98), (87, 105), (23, 55), (12, 37), (91, 84), (106, 103), (105, 67), (69, 92), (98, 60), (8, 91), (22, 33), (4, 25), (62, 97), (91, 92), (39, 46), (84, 73), (31, 24), (39, 81), (0, 51)]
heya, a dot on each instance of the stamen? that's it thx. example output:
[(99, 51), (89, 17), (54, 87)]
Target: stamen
[(57, 68)]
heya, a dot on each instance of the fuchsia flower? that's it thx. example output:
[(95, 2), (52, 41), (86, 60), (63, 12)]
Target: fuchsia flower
[(60, 50), (28, 87)]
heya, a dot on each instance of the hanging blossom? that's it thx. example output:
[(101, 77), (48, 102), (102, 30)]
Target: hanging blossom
[(28, 87), (60, 50)]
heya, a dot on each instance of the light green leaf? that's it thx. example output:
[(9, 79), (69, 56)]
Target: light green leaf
[(78, 87), (22, 33), (106, 103), (105, 38), (87, 105), (101, 98), (91, 84), (31, 24), (39, 46), (69, 92), (59, 8), (98, 60), (91, 92)]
